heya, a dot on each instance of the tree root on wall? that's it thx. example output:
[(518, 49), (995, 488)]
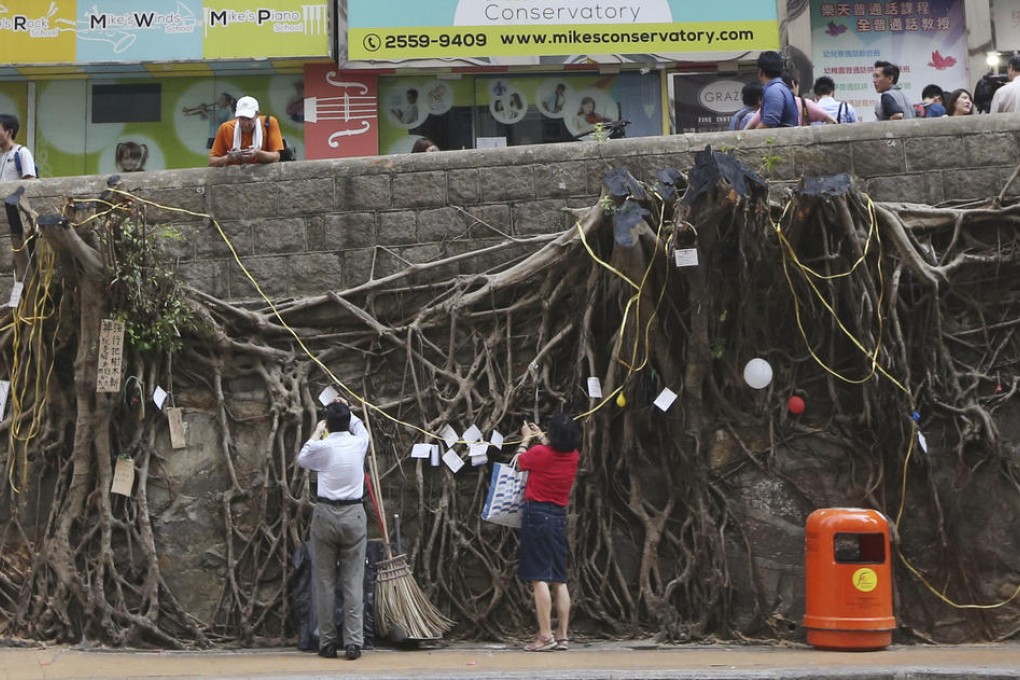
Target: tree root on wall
[(890, 319)]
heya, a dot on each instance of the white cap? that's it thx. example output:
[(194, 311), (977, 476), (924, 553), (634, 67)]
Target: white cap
[(247, 107)]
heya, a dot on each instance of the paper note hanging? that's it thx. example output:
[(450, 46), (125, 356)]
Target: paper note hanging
[(435, 456), (686, 257), (175, 417), (421, 451), (159, 396), (594, 388), (665, 399), (328, 395), (472, 434), (111, 355), (922, 442), (453, 461), (5, 390), (479, 452), (496, 438), (449, 436), (123, 477), (16, 291)]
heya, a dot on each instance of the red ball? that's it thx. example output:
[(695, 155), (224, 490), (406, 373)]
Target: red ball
[(796, 405)]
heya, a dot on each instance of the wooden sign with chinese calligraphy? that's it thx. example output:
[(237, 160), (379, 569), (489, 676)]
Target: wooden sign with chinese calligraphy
[(175, 418), (123, 477), (111, 355)]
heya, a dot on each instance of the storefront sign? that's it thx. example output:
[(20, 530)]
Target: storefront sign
[(340, 113), (411, 29), (926, 39), (705, 102), (120, 31), (1006, 19)]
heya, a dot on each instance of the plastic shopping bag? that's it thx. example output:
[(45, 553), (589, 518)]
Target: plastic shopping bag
[(505, 502)]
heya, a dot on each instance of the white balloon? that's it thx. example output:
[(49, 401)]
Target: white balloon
[(757, 373)]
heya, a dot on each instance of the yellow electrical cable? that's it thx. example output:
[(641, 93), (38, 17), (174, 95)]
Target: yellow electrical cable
[(872, 355), (910, 567), (872, 231)]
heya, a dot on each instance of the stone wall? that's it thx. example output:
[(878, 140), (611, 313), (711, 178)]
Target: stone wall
[(306, 227)]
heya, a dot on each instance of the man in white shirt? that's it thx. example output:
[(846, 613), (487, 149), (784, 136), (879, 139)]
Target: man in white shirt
[(336, 451), (1007, 98), (842, 112), (16, 161)]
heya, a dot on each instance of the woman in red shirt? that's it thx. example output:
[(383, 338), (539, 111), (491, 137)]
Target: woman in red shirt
[(542, 555)]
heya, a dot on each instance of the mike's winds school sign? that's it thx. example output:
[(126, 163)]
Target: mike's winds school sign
[(86, 32), (411, 29)]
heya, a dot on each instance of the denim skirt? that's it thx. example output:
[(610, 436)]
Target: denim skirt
[(542, 554)]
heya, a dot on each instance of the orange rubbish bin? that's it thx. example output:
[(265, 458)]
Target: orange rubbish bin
[(848, 580)]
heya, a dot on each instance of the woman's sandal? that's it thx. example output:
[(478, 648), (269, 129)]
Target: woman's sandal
[(542, 644), (562, 644)]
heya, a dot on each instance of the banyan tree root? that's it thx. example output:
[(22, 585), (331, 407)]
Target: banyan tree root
[(879, 311)]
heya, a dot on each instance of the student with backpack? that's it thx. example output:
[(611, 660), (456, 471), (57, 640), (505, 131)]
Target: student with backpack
[(16, 161), (842, 112), (249, 138)]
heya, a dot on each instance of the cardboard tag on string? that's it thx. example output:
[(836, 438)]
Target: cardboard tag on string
[(175, 417), (123, 477)]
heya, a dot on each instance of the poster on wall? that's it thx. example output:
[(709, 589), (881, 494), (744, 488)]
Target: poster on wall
[(126, 31), (411, 108), (14, 100), (340, 113), (705, 102), (1006, 20), (182, 116), (926, 39), (448, 29), (513, 110)]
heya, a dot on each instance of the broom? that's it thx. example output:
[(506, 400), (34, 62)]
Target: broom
[(400, 606)]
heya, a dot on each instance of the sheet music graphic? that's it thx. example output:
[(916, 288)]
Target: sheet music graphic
[(352, 107)]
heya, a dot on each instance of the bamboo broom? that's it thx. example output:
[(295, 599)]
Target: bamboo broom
[(401, 608)]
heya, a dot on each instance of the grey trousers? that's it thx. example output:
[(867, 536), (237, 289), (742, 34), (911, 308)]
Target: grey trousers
[(339, 533)]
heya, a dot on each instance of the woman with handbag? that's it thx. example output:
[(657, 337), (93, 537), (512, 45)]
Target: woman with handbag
[(542, 555)]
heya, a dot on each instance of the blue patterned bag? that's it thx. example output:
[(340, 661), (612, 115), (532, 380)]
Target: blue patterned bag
[(504, 504)]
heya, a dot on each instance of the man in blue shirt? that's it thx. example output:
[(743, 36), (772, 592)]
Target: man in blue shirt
[(778, 107)]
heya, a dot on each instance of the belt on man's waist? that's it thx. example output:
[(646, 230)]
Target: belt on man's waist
[(338, 501)]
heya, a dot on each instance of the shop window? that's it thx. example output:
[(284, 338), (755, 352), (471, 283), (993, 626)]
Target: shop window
[(127, 103)]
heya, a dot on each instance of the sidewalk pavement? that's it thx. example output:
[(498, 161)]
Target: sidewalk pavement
[(617, 660)]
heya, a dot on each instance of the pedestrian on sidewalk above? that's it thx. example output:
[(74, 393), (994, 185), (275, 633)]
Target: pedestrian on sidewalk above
[(825, 89), (16, 161), (1007, 98), (960, 103), (932, 102), (892, 103)]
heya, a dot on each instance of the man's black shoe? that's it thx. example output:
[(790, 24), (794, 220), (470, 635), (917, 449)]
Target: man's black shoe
[(353, 652), (328, 652)]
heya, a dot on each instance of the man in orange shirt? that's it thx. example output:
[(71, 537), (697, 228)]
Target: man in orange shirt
[(249, 138)]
